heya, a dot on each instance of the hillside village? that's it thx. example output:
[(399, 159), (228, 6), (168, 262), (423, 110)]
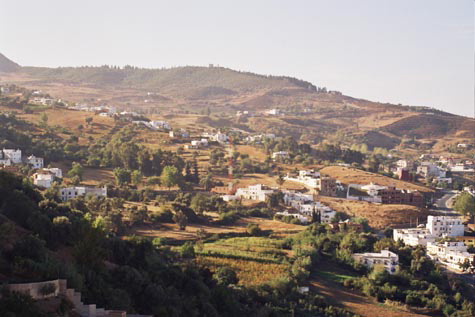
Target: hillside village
[(179, 184)]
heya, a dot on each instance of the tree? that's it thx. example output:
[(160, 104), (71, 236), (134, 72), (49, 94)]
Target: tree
[(207, 182), (88, 120), (274, 199), (44, 119), (171, 177), (280, 180), (465, 204), (136, 177), (225, 276), (76, 170), (253, 229), (199, 203), (187, 250), (181, 219), (122, 176)]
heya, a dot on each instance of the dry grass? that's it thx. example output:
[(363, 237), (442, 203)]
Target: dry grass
[(348, 175), (379, 216), (171, 230)]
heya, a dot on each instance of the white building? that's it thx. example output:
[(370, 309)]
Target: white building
[(274, 112), (303, 219), (43, 101), (73, 192), (369, 193), (292, 196), (5, 161), (385, 258), (404, 164), (57, 172), (43, 179), (451, 226), (282, 155), (160, 125), (257, 192), (428, 169), (35, 162), (13, 155), (414, 236), (309, 178), (450, 253)]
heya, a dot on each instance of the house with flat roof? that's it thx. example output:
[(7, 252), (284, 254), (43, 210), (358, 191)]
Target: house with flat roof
[(387, 259), (451, 226)]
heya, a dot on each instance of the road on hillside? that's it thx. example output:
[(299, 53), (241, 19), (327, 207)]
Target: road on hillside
[(440, 204)]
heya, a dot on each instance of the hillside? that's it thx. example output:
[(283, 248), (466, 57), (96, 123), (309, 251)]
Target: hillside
[(309, 113), (6, 65)]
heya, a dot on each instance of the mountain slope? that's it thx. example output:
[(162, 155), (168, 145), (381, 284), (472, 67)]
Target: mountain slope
[(7, 65)]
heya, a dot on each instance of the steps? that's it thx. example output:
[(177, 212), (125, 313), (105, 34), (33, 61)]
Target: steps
[(84, 310)]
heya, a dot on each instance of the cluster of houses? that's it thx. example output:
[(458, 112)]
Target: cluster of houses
[(9, 157), (436, 168), (450, 253), (303, 206), (325, 185), (154, 125), (385, 195), (206, 138)]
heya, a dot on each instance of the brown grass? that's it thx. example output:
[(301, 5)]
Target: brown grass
[(171, 230), (349, 175), (379, 216)]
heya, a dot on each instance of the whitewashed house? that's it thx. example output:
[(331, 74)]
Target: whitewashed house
[(386, 259), (450, 253), (257, 192), (13, 155), (405, 164), (57, 172), (451, 226), (43, 179), (160, 125), (35, 162), (303, 219), (414, 236), (76, 191), (280, 155)]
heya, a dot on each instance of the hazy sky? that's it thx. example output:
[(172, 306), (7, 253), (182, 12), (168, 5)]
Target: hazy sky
[(416, 52)]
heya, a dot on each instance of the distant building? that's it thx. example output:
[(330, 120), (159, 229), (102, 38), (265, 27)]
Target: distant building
[(257, 192), (386, 259), (35, 162), (73, 192), (326, 186), (392, 195), (449, 253), (274, 112), (414, 236), (404, 174), (13, 155), (427, 169), (405, 164), (346, 225), (160, 125), (43, 179), (57, 172), (280, 155), (451, 226)]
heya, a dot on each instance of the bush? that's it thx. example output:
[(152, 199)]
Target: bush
[(187, 250), (225, 276), (253, 229)]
